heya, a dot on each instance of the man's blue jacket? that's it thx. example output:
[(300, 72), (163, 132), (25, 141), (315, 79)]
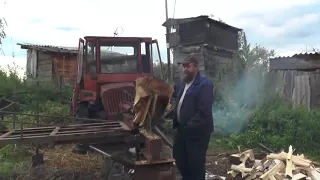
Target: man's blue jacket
[(196, 109)]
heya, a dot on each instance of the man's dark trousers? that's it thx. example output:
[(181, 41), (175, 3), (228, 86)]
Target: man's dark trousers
[(189, 151)]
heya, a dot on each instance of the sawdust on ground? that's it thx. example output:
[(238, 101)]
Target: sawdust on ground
[(61, 163)]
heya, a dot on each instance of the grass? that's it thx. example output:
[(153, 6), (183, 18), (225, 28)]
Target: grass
[(13, 157)]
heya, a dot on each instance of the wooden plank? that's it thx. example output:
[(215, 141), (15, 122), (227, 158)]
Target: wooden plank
[(54, 132), (29, 68), (314, 88), (44, 66), (301, 91), (34, 61), (294, 64), (6, 134), (288, 89), (280, 81), (44, 74), (44, 62)]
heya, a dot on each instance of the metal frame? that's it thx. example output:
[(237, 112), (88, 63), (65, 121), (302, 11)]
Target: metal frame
[(108, 131)]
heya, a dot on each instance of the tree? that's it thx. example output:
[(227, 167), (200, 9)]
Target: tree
[(255, 62), (256, 58), (3, 23), (3, 35)]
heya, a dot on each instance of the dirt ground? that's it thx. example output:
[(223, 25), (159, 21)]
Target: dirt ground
[(62, 164), (218, 161)]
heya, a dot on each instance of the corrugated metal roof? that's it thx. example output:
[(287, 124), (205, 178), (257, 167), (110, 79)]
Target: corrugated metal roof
[(313, 55), (49, 48), (62, 49)]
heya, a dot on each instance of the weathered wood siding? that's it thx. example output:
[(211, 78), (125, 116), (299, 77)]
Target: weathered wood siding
[(301, 87), (298, 78), (205, 32), (218, 63), (66, 67), (179, 54), (221, 36), (32, 57), (54, 67), (212, 63), (44, 69), (193, 32)]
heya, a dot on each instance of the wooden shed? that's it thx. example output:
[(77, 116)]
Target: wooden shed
[(51, 63), (216, 43), (298, 78)]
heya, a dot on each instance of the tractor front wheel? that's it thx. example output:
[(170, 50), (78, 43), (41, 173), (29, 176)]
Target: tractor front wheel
[(82, 112)]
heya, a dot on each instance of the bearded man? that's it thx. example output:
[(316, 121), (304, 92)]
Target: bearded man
[(192, 117)]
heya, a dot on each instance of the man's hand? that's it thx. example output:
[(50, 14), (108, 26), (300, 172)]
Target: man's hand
[(170, 109)]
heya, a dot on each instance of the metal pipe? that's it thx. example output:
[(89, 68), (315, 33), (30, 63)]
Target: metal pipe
[(115, 158), (163, 136), (100, 151)]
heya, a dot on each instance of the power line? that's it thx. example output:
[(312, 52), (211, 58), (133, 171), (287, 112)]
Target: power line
[(174, 8)]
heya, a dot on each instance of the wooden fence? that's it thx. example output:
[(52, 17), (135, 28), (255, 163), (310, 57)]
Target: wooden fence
[(298, 78)]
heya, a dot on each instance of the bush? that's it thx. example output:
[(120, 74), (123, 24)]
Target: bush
[(277, 124), (52, 101)]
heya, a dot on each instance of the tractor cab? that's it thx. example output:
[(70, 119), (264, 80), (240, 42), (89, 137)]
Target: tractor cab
[(107, 68)]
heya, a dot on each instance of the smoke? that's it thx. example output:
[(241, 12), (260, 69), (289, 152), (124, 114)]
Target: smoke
[(235, 103)]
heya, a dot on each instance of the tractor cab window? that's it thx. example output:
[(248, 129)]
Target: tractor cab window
[(91, 58), (118, 59), (145, 57)]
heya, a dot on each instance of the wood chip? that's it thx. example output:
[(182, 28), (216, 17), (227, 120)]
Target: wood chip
[(298, 176), (275, 166)]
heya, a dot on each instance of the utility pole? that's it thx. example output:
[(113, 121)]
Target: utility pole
[(167, 42)]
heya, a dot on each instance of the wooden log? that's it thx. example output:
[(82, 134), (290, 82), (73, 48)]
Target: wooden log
[(234, 159), (295, 159), (273, 171), (248, 154), (240, 158), (279, 176), (232, 173), (241, 168), (289, 163), (314, 174), (254, 175), (298, 176)]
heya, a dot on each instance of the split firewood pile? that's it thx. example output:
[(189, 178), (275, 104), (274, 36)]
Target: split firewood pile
[(274, 166)]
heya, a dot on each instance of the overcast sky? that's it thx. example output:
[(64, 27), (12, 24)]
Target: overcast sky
[(287, 26)]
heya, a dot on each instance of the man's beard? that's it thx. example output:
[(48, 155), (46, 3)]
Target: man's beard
[(188, 77)]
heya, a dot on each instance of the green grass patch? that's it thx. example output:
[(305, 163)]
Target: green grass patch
[(12, 157)]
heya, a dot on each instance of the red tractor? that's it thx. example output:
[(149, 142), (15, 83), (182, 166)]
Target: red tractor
[(106, 73)]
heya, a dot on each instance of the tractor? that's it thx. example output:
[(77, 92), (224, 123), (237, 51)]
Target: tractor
[(107, 68), (115, 83)]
